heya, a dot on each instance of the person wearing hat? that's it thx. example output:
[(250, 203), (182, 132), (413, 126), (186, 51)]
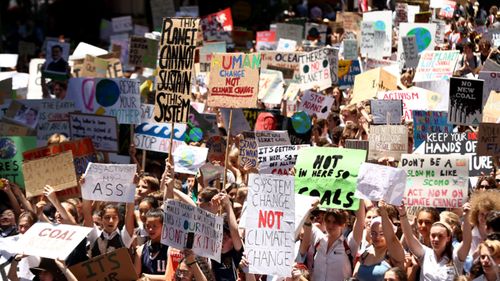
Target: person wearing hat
[(440, 261), (47, 270)]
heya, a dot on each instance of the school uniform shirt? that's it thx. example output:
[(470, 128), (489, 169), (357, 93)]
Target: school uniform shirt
[(332, 264), (154, 258), (432, 270), (102, 242)]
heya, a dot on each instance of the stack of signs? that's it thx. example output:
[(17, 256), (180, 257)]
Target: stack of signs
[(436, 65), (143, 52), (279, 159), (317, 104), (425, 122), (234, 80), (109, 182), (387, 141), (489, 136), (377, 182), (103, 130), (12, 158), (386, 111), (466, 101), (188, 159), (182, 219), (315, 70), (439, 181), (118, 97), (330, 174), (175, 69), (270, 213), (459, 143), (57, 171)]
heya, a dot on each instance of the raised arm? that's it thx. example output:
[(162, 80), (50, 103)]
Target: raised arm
[(7, 187), (21, 198), (129, 219), (167, 181), (233, 226), (50, 193), (415, 246), (463, 249), (307, 228), (396, 252), (359, 224), (193, 265)]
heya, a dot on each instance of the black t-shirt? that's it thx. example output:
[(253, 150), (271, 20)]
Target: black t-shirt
[(226, 270)]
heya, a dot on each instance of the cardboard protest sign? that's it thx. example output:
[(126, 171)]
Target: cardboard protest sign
[(373, 37), (181, 219), (410, 51), (383, 23), (11, 157), (115, 265), (386, 111), (425, 122), (425, 34), (93, 67), (248, 150), (143, 52), (350, 21), (270, 213), (315, 70), (201, 126), (53, 241), (378, 182), (416, 98), (82, 149), (109, 182), (122, 24), (53, 118), (57, 171), (491, 83), (316, 103), (436, 65), (269, 138), (101, 129), (265, 40), (8, 129), (491, 110), (188, 159), (118, 97), (218, 26), (234, 80), (271, 86), (367, 84), (348, 70), (287, 63), (488, 139), (466, 101), (278, 160), (435, 180), (290, 31), (459, 143), (387, 141), (329, 173), (156, 136), (393, 67), (175, 69), (121, 40)]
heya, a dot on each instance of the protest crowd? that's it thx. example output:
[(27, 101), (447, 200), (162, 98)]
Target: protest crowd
[(336, 145)]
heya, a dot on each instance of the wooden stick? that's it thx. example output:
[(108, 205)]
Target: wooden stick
[(143, 162), (172, 131), (227, 148)]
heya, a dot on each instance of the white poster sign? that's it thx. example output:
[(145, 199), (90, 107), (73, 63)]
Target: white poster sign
[(109, 182)]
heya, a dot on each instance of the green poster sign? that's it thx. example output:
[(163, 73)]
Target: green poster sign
[(330, 174), (11, 157)]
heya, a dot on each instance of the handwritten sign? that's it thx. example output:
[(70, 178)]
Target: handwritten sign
[(248, 149), (57, 171), (382, 21), (425, 37), (109, 182), (270, 213), (53, 118), (218, 26), (386, 111), (115, 265), (436, 65), (489, 136), (316, 103), (278, 160), (122, 24), (118, 97), (234, 80), (181, 219), (491, 110), (459, 143), (329, 173), (368, 37), (175, 69), (435, 180), (367, 84), (101, 129), (143, 52), (425, 122), (315, 70), (410, 51), (265, 40), (53, 241), (156, 136), (348, 70), (377, 182), (350, 49), (271, 86), (287, 63), (466, 101), (12, 157), (188, 159), (387, 141), (491, 83)]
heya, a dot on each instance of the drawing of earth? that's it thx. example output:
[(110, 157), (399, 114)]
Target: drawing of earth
[(423, 37), (301, 122), (7, 148), (107, 92), (379, 25), (187, 158), (196, 134)]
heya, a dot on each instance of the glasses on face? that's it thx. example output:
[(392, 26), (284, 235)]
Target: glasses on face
[(182, 273)]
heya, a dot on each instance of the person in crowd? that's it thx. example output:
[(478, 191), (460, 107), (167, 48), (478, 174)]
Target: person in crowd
[(489, 257), (481, 204)]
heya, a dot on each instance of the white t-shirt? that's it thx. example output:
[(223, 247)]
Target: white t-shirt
[(432, 270), (96, 232)]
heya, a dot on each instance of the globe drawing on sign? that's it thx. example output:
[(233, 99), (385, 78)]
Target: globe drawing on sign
[(186, 158), (196, 134), (107, 92), (7, 148), (379, 25), (301, 122), (422, 36)]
